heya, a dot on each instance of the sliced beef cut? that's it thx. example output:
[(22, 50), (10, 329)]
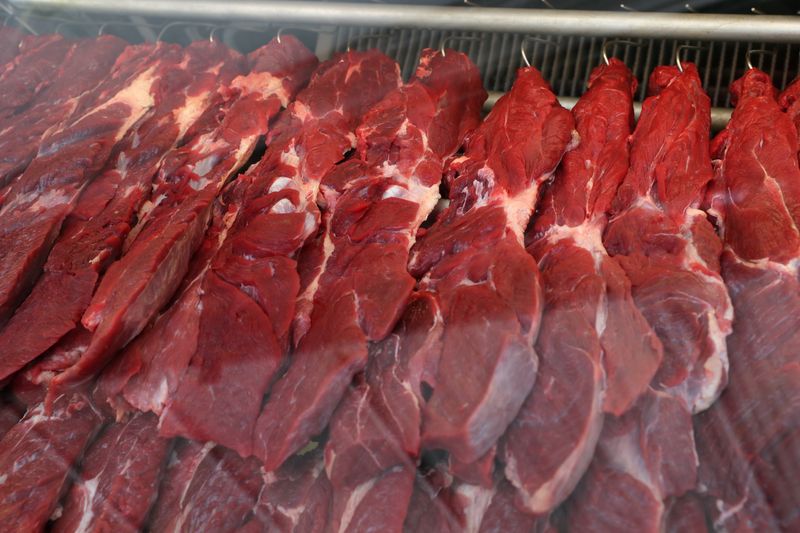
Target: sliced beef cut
[(295, 498), (85, 65), (478, 279), (36, 457), (374, 204), (755, 200), (643, 458), (9, 416), (686, 515), (171, 225), (233, 318), (596, 351), (68, 159), (118, 479), (33, 69), (205, 488), (667, 246), (93, 233)]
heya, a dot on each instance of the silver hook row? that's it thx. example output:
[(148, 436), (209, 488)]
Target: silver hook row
[(680, 49), (356, 38), (446, 40), (606, 44), (748, 56), (176, 23), (526, 40)]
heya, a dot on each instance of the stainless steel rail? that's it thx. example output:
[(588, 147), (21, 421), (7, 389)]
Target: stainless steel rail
[(555, 22), (719, 115)]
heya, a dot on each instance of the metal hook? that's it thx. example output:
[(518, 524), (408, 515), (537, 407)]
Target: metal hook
[(680, 49), (444, 41), (182, 23), (606, 44), (748, 55), (526, 40), (628, 8), (756, 11), (689, 8), (356, 38), (548, 4)]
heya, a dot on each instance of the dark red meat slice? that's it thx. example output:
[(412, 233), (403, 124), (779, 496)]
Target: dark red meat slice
[(374, 203), (118, 479), (36, 457), (665, 243), (170, 227), (92, 235)]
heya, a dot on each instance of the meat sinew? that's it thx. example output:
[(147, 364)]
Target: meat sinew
[(374, 203), (745, 440), (596, 351), (221, 343)]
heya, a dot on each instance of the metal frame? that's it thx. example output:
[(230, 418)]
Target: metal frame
[(695, 26)]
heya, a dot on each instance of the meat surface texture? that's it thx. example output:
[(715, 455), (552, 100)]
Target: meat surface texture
[(36, 457), (68, 158), (746, 439), (92, 235), (374, 203), (205, 488), (483, 287), (247, 264), (665, 243), (171, 225), (118, 479), (596, 351)]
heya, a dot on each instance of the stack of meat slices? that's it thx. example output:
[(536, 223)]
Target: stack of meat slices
[(595, 334)]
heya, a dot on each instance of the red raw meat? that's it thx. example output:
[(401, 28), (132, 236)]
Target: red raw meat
[(374, 203), (482, 284), (205, 488), (643, 458), (755, 200), (33, 69), (295, 498), (68, 159), (36, 456), (118, 479), (234, 316), (85, 65), (667, 246), (10, 39), (171, 225), (9, 416), (93, 233), (686, 515), (596, 351)]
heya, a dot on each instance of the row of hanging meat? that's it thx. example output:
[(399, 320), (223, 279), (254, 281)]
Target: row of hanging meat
[(595, 333)]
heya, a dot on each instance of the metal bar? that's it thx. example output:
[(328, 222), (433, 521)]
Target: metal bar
[(719, 116), (549, 21)]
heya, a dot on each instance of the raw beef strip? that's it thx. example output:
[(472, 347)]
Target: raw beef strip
[(118, 479), (92, 235), (32, 70), (85, 65), (480, 282), (686, 515), (10, 39), (643, 458), (205, 488), (666, 245), (234, 316), (171, 225), (374, 203), (295, 498), (36, 456), (755, 200), (67, 160), (596, 351)]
